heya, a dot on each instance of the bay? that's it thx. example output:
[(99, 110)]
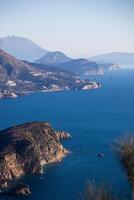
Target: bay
[(95, 118)]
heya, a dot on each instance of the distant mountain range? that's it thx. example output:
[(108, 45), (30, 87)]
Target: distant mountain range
[(19, 77), (21, 48), (78, 66), (118, 58), (25, 49)]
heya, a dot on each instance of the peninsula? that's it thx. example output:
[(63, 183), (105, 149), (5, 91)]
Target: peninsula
[(25, 148)]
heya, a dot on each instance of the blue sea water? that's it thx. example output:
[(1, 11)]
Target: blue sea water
[(95, 119)]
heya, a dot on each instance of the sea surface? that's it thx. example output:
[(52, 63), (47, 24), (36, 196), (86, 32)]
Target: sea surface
[(95, 119)]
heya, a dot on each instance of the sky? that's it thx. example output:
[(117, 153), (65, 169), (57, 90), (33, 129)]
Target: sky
[(77, 27)]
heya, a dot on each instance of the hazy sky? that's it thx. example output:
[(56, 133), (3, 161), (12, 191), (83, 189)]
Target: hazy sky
[(77, 27)]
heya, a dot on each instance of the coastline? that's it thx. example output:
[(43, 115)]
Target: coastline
[(13, 95)]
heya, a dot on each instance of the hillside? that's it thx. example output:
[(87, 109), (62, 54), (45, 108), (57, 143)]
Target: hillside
[(18, 77), (81, 67)]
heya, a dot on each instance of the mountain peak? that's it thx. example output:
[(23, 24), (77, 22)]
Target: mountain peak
[(53, 57), (21, 48)]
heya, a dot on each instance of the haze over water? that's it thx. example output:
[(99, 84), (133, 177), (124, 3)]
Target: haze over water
[(94, 119)]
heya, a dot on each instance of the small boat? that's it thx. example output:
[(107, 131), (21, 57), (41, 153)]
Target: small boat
[(100, 155)]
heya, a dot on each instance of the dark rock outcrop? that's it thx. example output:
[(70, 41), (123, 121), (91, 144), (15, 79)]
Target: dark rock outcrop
[(25, 148), (19, 190), (63, 135)]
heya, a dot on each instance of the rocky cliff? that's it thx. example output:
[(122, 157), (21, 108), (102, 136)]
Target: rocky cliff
[(25, 148)]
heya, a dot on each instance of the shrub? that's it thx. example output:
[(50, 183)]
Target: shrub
[(124, 149), (93, 192)]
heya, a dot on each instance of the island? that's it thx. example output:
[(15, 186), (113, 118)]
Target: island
[(25, 148)]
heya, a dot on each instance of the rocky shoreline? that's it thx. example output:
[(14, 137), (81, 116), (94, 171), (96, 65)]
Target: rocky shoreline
[(84, 85), (24, 149)]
